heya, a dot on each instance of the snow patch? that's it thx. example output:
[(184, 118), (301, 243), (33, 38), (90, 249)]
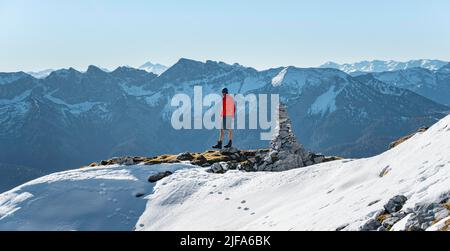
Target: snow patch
[(325, 103), (278, 79), (78, 108)]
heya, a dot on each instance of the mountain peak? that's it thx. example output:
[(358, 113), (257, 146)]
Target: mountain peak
[(187, 62), (126, 71), (330, 64), (94, 69), (150, 64), (64, 73), (157, 69)]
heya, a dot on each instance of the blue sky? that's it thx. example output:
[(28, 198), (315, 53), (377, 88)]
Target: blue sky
[(40, 34)]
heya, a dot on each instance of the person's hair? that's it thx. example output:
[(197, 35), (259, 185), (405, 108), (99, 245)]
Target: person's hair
[(225, 91)]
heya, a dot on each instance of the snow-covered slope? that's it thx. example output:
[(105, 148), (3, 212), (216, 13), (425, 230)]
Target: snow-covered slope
[(321, 197), (101, 198), (342, 194)]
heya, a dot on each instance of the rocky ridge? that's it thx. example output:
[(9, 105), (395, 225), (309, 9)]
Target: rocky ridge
[(285, 153)]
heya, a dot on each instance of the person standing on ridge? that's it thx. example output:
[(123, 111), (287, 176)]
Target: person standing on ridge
[(227, 116)]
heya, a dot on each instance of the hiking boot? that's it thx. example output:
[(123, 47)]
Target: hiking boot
[(228, 145), (218, 145)]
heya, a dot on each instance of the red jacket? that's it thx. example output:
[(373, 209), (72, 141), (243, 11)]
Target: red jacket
[(228, 106)]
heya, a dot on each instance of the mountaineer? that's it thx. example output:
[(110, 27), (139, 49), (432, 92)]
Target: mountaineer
[(227, 116)]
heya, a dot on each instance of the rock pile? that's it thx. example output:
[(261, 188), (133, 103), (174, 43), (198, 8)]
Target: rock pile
[(395, 217), (285, 151)]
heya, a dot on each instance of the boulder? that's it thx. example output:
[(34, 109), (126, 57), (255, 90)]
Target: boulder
[(395, 204), (371, 225), (185, 156), (158, 176), (199, 161), (220, 167), (120, 161), (247, 166)]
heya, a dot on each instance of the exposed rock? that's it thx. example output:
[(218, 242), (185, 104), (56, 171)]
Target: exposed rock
[(424, 216), (371, 225), (248, 165), (395, 204), (185, 156), (229, 151), (340, 228), (221, 167), (319, 159), (158, 176), (199, 160), (373, 203), (390, 221), (405, 138)]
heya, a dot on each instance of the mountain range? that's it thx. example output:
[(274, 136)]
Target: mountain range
[(390, 65), (148, 66), (71, 118)]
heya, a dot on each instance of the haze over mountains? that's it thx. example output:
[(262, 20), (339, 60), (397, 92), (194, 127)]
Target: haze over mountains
[(71, 118), (148, 66), (390, 65)]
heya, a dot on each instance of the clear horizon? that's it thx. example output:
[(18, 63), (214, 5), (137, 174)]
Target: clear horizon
[(51, 34)]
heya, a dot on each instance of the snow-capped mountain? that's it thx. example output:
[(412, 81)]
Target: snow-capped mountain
[(71, 118), (362, 116), (434, 85), (157, 69), (380, 65), (405, 188), (41, 74)]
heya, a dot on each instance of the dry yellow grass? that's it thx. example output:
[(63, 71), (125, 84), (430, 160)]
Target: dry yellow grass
[(446, 226), (382, 217)]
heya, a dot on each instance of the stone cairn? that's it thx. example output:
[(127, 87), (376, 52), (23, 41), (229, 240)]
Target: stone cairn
[(285, 151)]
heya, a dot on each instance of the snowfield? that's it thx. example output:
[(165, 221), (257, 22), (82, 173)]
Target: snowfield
[(342, 194), (100, 198)]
